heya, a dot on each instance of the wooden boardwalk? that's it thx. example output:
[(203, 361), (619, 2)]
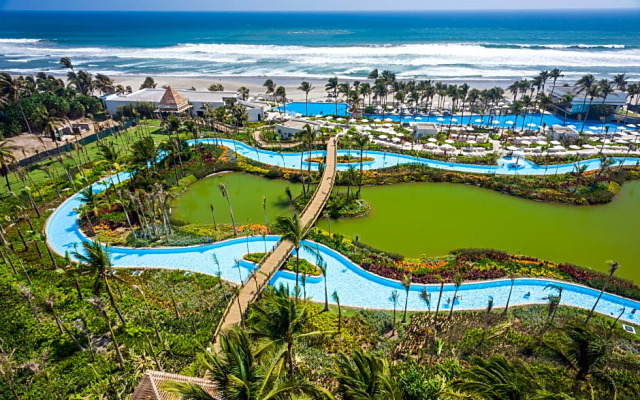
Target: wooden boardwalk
[(273, 261)]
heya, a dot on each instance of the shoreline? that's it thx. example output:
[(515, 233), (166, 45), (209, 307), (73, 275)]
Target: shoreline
[(254, 82)]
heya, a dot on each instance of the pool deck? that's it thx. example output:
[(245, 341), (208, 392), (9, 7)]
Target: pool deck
[(250, 291)]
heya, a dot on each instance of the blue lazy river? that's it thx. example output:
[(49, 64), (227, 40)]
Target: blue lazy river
[(500, 121), (356, 287), (506, 165)]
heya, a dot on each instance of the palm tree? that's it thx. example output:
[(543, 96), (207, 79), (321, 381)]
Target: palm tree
[(554, 302), (361, 141), (291, 229), (97, 262), (225, 194), (613, 267), (620, 81), (365, 376), (555, 74), (394, 300), (498, 379), (306, 87), (7, 372), (6, 159), (269, 85), (517, 108), (66, 63), (308, 136), (584, 84), (565, 102), (322, 266), (336, 298), (50, 305), (149, 83), (579, 349), (98, 304), (426, 297), (439, 295), (457, 281), (332, 85), (10, 89), (281, 94), (506, 307), (244, 92), (280, 321), (239, 374), (406, 283)]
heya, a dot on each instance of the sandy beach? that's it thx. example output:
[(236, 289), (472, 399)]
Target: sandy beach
[(254, 84)]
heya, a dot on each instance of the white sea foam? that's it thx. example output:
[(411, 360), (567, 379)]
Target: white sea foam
[(446, 60)]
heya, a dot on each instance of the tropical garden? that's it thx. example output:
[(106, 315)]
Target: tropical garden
[(72, 326)]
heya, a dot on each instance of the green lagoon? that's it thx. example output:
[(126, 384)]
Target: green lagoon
[(433, 218)]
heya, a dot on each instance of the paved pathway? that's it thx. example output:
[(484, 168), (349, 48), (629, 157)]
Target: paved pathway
[(272, 263)]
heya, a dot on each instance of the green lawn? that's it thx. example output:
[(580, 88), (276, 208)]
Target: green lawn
[(38, 176)]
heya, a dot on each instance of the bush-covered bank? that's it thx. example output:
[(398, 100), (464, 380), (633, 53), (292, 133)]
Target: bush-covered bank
[(348, 159), (469, 265), (339, 204), (305, 266), (528, 352)]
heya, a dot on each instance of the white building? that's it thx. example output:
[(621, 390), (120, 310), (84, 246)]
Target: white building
[(421, 129), (288, 129), (580, 104), (564, 132), (195, 98)]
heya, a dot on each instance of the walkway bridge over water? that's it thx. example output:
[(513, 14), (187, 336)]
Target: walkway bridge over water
[(273, 261)]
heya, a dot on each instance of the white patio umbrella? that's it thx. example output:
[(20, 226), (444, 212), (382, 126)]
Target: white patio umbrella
[(512, 148), (319, 116), (339, 119), (383, 137), (388, 120), (574, 147), (587, 146), (631, 126), (471, 141), (509, 123), (433, 140), (418, 119), (431, 145), (571, 126), (495, 122), (532, 125), (329, 117), (477, 120), (395, 140), (440, 119), (555, 143), (449, 141), (454, 119), (377, 120), (525, 143), (353, 120)]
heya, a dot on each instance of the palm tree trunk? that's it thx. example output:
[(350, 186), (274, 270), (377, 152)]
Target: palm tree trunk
[(113, 301), (153, 353), (453, 302), (439, 298), (233, 221), (506, 307)]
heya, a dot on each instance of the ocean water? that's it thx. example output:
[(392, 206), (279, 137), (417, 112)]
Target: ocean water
[(496, 46)]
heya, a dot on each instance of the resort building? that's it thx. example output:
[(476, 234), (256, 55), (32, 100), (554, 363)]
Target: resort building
[(421, 129), (178, 100), (288, 129), (579, 105), (564, 132)]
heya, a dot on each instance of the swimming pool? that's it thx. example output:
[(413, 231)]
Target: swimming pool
[(503, 121), (356, 287)]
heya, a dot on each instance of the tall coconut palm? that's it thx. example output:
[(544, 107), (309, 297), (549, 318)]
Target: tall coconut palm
[(554, 74), (96, 261), (394, 300), (439, 278), (583, 84), (6, 159), (506, 307), (336, 298), (613, 267), (225, 194), (99, 305), (406, 283), (361, 141), (332, 86), (554, 302), (279, 320), (322, 266), (291, 229), (306, 87), (621, 82), (11, 89), (592, 92), (244, 92), (457, 281)]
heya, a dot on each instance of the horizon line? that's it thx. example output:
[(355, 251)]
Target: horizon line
[(573, 9)]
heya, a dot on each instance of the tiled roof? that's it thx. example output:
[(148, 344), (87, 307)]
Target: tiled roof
[(150, 386), (171, 99)]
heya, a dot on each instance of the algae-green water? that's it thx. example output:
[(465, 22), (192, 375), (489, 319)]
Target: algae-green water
[(431, 219), (246, 194)]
